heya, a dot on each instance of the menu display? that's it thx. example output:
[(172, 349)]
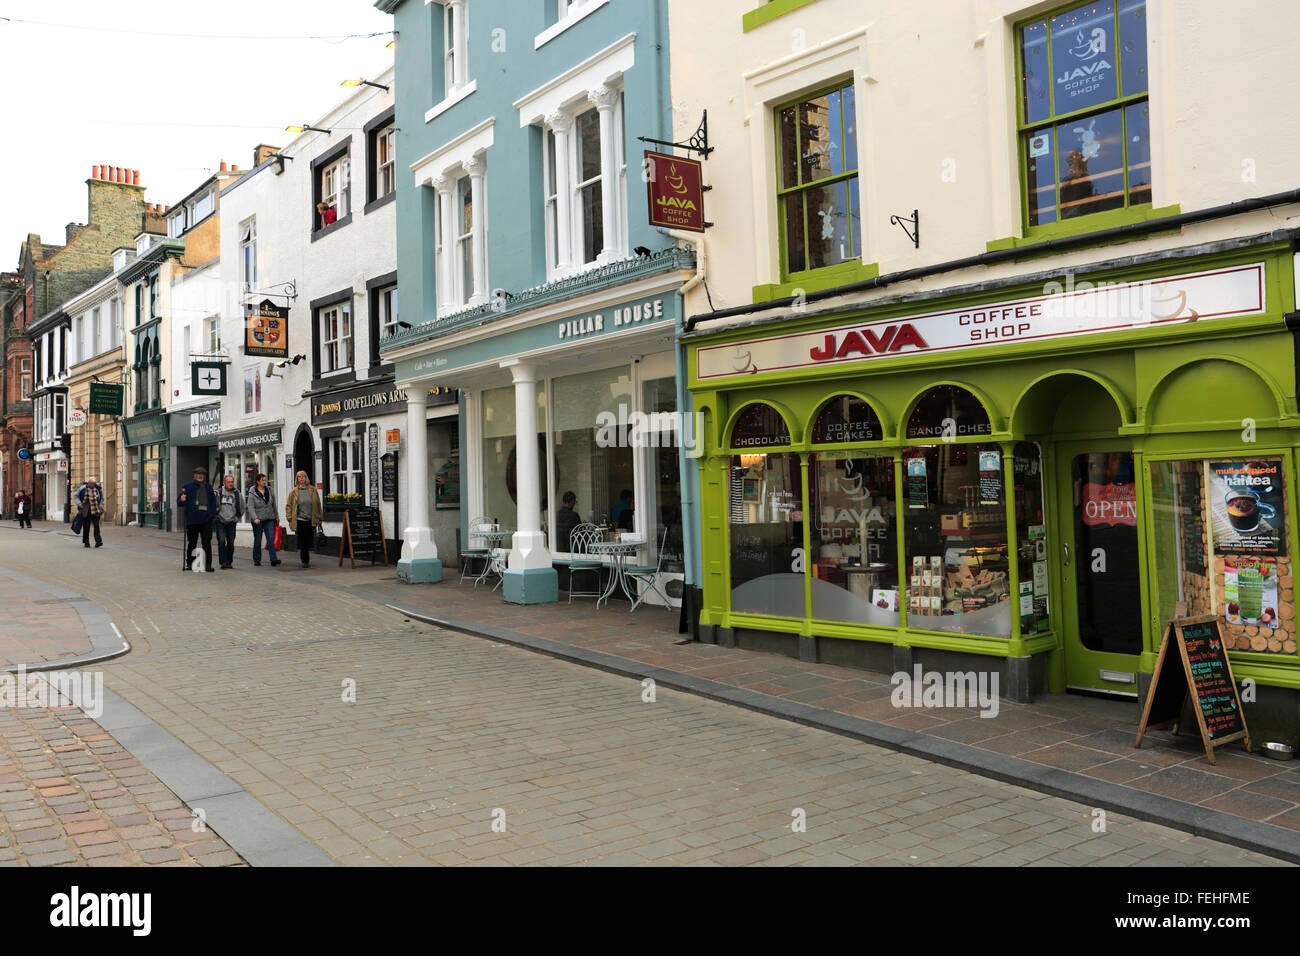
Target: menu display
[(1199, 667)]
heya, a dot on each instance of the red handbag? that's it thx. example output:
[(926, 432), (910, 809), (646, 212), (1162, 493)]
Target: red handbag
[(279, 537)]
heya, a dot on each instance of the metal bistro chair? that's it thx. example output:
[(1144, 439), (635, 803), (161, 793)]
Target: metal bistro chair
[(647, 575), (498, 561), (469, 555), (583, 561)]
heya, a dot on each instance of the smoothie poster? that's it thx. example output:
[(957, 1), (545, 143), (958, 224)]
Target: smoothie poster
[(1247, 506), (1250, 590)]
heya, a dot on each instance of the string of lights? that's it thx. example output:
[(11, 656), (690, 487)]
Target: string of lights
[(324, 37)]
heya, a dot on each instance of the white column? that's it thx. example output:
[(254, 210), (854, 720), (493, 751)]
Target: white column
[(460, 43), (419, 563), (561, 125), (446, 189), (528, 551), (605, 98), (476, 167)]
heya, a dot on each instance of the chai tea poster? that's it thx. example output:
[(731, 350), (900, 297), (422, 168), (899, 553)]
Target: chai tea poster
[(1246, 501)]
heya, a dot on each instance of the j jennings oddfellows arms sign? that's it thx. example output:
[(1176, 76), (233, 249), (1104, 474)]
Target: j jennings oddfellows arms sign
[(1080, 309), (368, 402)]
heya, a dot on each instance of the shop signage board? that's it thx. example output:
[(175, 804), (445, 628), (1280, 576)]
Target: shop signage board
[(196, 426), (363, 532), (1073, 310), (388, 477), (359, 402), (239, 441), (105, 399), (372, 484), (146, 431), (208, 378), (266, 330), (676, 191), (1194, 660)]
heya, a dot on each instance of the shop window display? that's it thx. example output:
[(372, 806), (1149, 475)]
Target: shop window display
[(500, 479), (955, 533), (854, 539), (1221, 548), (766, 534), (1031, 539)]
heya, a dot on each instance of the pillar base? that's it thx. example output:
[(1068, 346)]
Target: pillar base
[(531, 585), (419, 570)]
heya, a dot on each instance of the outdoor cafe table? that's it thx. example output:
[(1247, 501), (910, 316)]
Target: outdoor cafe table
[(620, 552), (492, 540)]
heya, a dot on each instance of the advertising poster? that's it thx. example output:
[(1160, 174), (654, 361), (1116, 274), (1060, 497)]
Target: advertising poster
[(990, 478), (1246, 506), (1250, 590), (918, 495)]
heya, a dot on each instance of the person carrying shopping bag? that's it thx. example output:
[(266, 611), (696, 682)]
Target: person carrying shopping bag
[(302, 511), (259, 508), (23, 508), (90, 506)]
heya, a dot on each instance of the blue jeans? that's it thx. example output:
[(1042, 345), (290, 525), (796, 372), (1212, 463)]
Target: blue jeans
[(265, 526)]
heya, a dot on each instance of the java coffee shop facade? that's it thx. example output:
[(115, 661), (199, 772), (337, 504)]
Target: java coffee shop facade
[(1020, 475)]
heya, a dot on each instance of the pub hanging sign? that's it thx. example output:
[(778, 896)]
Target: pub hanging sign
[(266, 330), (676, 190)]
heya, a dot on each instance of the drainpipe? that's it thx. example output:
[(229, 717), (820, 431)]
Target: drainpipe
[(692, 553)]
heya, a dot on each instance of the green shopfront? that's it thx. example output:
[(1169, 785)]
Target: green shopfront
[(1032, 478), (147, 446)]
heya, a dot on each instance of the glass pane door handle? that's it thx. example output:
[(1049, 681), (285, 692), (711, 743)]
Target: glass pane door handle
[(1067, 556)]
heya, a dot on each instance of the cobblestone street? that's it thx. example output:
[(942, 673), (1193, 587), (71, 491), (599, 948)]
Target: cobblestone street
[(381, 740)]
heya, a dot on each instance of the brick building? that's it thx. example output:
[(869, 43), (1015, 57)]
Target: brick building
[(47, 275)]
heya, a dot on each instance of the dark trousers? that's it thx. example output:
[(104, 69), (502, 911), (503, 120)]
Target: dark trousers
[(226, 542), (193, 533), (86, 522), (25, 519), (306, 538)]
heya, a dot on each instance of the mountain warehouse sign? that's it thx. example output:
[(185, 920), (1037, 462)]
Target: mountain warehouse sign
[(1066, 310)]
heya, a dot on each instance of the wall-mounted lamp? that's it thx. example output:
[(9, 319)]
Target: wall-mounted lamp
[(364, 82), (304, 128)]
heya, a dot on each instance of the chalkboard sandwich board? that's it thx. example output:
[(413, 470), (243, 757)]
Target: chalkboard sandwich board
[(363, 532), (1200, 667)]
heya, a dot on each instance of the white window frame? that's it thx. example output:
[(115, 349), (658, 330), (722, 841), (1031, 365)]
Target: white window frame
[(212, 335), (114, 323), (569, 12), (201, 207), (347, 477), (248, 254), (388, 310), (385, 161), (336, 187), (59, 413), (24, 379), (79, 340), (335, 337), (573, 188), (96, 333), (175, 225), (463, 252)]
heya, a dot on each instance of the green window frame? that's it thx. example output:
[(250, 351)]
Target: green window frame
[(1066, 85), (806, 191)]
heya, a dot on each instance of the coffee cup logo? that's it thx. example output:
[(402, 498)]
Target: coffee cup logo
[(1245, 510)]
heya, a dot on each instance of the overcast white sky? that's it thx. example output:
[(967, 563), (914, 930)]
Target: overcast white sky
[(86, 94)]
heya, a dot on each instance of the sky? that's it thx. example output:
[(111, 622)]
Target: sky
[(106, 87)]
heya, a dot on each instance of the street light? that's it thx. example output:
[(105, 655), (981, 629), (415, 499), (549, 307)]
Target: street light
[(304, 128), (364, 82)]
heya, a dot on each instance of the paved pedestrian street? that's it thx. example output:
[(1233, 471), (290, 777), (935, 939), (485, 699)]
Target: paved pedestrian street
[(378, 740)]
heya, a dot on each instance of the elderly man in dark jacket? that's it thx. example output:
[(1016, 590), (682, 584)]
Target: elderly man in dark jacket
[(199, 500)]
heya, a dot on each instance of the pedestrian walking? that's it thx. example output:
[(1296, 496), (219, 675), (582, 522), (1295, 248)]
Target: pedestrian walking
[(23, 508), (90, 505), (303, 511), (200, 503), (260, 508), (230, 508)]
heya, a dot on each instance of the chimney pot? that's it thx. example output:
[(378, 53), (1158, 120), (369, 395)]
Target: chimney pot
[(94, 172), (117, 174), (223, 165), (135, 177), (167, 209)]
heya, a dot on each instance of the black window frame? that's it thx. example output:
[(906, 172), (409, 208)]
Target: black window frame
[(371, 133), (373, 288), (324, 379), (330, 155)]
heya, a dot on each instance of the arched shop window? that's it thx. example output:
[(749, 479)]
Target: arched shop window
[(955, 519), (846, 418), (760, 426), (947, 411), (852, 507), (765, 518)]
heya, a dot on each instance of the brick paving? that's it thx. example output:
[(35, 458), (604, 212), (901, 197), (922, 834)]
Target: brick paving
[(448, 734), (70, 795)]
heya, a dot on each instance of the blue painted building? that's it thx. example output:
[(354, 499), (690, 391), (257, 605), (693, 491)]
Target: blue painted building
[(533, 284)]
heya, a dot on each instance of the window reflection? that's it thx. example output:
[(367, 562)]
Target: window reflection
[(765, 511), (854, 539)]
